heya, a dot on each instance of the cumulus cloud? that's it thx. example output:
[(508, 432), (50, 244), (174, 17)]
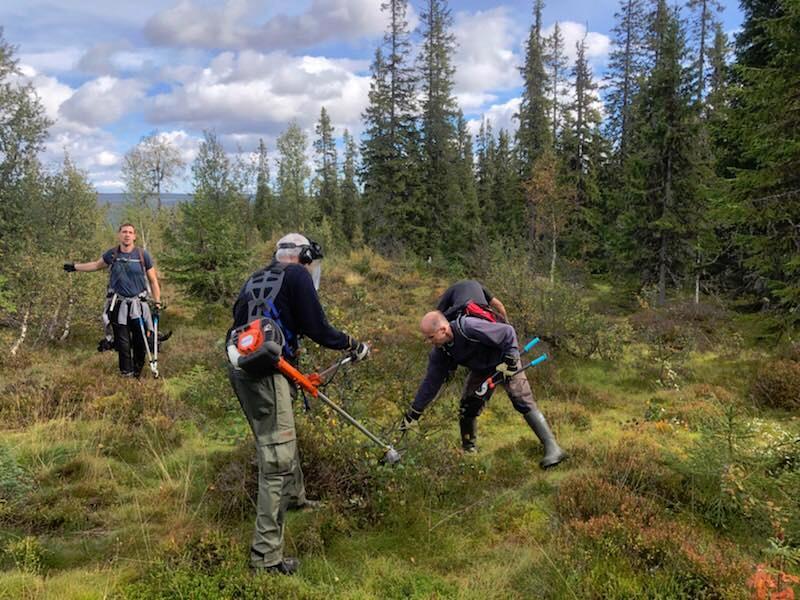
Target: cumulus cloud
[(485, 59), (54, 61), (103, 100), (598, 45), (257, 93), (501, 116), (188, 24)]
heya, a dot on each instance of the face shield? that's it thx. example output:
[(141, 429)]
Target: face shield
[(315, 268)]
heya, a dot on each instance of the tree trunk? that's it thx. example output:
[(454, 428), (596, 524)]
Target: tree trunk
[(22, 332), (662, 255), (68, 319), (553, 256)]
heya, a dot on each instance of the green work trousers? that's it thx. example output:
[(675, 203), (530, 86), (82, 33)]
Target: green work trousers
[(267, 404)]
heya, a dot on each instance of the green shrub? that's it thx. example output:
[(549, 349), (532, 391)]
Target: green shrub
[(27, 554), (14, 480), (777, 385)]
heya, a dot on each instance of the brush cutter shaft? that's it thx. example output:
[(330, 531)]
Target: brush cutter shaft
[(346, 416), (304, 382)]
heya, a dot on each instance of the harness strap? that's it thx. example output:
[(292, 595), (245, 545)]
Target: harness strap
[(261, 290)]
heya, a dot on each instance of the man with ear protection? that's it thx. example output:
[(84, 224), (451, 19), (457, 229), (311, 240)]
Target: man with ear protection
[(285, 291)]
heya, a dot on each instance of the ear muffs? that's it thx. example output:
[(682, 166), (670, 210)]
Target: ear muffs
[(305, 256), (308, 253)]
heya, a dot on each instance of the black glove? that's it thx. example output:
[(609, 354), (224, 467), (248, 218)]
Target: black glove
[(409, 419), (69, 267), (358, 350), (156, 310)]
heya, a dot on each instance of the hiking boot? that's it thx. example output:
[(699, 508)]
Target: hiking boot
[(287, 566), (128, 374), (469, 426), (553, 454)]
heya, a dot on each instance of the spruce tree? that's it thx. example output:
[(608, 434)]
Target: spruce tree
[(533, 134), (294, 207), (485, 174), (463, 224), (206, 250), (766, 114), (625, 69), (351, 199), (440, 168), (327, 173), (666, 170), (703, 29), (395, 214), (507, 220), (557, 71), (583, 151), (264, 210)]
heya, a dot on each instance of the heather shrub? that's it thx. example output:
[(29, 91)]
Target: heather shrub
[(641, 466), (777, 385), (582, 498)]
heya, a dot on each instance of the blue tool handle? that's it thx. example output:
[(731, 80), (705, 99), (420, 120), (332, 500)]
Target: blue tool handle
[(536, 361), (530, 344)]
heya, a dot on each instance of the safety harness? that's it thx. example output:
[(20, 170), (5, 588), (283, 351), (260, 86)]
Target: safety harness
[(246, 343)]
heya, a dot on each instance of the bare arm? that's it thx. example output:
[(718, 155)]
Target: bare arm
[(500, 308), (151, 276)]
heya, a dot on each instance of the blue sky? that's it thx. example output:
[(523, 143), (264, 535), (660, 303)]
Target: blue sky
[(110, 73)]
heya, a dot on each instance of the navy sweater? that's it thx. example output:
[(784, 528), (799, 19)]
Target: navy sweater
[(299, 308)]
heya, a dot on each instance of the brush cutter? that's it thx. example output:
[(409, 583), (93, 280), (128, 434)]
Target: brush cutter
[(391, 456), (492, 381)]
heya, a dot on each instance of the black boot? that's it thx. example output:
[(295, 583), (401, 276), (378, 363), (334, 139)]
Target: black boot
[(553, 454), (469, 426)]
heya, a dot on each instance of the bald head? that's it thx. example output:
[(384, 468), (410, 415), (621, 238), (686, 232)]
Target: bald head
[(435, 328)]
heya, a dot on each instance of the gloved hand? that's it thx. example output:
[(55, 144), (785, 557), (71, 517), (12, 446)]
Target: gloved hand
[(358, 350), (156, 310), (509, 365), (409, 420), (69, 267)]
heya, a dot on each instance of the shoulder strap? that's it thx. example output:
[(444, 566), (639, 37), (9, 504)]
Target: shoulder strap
[(144, 272), (459, 323)]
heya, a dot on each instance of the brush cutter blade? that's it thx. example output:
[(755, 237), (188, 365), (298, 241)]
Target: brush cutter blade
[(392, 456)]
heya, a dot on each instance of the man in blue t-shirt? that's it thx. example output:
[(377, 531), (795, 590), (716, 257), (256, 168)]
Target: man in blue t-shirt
[(131, 274)]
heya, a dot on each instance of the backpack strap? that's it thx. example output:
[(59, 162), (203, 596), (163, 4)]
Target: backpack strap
[(459, 326), (261, 290)]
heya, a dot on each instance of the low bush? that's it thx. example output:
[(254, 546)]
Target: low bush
[(27, 554), (777, 385), (582, 497), (640, 466), (15, 482), (685, 561)]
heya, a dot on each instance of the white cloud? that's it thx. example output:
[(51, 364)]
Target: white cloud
[(188, 24), (259, 94), (598, 45), (103, 100), (485, 59), (501, 116), (63, 59)]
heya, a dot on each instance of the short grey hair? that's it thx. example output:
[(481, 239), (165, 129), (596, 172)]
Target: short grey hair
[(291, 238)]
